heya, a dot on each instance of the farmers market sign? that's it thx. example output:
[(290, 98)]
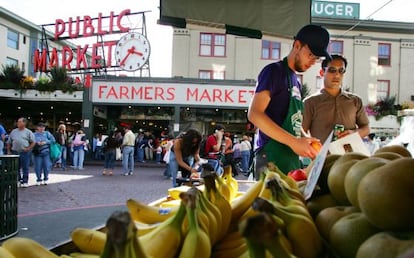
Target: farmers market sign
[(335, 10)]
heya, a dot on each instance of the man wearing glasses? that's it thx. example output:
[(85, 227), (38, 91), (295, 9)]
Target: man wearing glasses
[(333, 105), (276, 107)]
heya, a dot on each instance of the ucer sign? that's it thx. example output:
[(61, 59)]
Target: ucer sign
[(335, 9), (171, 93)]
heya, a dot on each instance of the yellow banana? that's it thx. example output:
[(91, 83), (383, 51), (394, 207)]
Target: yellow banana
[(144, 228), (236, 251), (230, 241), (300, 230), (213, 225), (290, 181), (196, 242), (215, 196), (228, 179), (4, 253), (21, 247), (242, 203), (174, 192), (88, 241), (165, 240), (224, 189), (215, 212), (149, 214), (170, 204)]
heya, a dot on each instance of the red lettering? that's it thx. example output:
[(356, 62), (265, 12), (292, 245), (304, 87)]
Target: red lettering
[(191, 94), (227, 96), (136, 92), (147, 93), (67, 57), (88, 28), (111, 22), (81, 54), (40, 62), (205, 96), (119, 20), (171, 94), (112, 93), (159, 92), (77, 23), (54, 60), (217, 95), (59, 28), (109, 45), (123, 92), (241, 98), (100, 31), (101, 89), (95, 60)]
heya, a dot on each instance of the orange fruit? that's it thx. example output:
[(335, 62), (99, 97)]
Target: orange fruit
[(316, 145)]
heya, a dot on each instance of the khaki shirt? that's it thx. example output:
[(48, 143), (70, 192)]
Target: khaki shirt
[(322, 111), (129, 139)]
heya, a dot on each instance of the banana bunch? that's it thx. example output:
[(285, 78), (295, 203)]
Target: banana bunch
[(214, 220), (287, 226)]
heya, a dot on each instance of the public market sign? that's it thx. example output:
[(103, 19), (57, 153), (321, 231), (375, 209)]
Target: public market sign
[(171, 93), (77, 59), (335, 10)]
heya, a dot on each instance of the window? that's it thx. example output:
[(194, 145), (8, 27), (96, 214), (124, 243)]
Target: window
[(336, 47), (207, 74), (383, 89), (270, 50), (11, 61), (13, 39), (212, 44), (384, 54)]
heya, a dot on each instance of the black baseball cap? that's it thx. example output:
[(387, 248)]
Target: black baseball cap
[(41, 124), (317, 39)]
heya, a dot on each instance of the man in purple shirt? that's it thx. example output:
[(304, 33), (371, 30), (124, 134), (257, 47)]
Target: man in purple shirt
[(276, 107)]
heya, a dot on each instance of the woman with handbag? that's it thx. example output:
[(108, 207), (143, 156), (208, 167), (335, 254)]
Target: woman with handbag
[(41, 152)]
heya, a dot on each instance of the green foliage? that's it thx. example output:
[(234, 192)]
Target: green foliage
[(384, 107), (10, 76)]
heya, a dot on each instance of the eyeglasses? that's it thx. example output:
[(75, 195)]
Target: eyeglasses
[(335, 70)]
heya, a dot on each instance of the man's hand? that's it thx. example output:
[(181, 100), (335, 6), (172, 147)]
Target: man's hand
[(302, 147)]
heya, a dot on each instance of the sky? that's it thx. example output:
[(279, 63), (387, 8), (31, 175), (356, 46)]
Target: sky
[(160, 36)]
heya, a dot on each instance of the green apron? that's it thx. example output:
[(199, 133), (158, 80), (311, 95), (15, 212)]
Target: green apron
[(276, 152)]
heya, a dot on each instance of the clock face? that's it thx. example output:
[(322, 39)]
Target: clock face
[(132, 51)]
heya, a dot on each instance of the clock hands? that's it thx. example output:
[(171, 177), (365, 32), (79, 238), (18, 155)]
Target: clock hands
[(130, 51)]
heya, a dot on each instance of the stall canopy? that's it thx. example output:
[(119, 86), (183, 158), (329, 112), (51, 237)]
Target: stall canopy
[(250, 18)]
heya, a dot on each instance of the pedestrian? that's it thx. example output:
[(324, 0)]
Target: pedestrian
[(78, 145), (21, 142), (97, 146), (276, 107), (184, 154), (41, 153), (61, 137), (332, 105), (128, 145), (109, 146), (2, 139), (214, 148), (245, 148), (166, 158)]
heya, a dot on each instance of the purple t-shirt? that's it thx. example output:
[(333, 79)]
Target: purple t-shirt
[(273, 78)]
